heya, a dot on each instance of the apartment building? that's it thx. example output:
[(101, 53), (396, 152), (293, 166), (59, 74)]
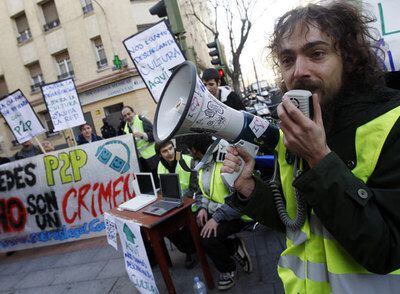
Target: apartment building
[(47, 40)]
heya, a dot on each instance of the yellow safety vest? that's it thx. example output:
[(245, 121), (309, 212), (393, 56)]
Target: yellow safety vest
[(314, 262), (184, 176), (218, 190), (145, 148)]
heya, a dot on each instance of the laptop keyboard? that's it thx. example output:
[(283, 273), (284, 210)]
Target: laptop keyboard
[(165, 205)]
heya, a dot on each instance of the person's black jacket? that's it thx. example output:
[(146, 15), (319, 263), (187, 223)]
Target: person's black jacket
[(108, 131), (369, 230), (81, 139), (4, 160), (230, 98)]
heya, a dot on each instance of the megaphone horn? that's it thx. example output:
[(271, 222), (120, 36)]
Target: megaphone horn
[(187, 107)]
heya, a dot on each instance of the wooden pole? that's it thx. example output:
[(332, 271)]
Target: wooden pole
[(40, 145)]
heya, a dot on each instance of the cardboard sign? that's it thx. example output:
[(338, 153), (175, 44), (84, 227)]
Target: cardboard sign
[(62, 196), (154, 52), (63, 104), (20, 117), (388, 25), (136, 261)]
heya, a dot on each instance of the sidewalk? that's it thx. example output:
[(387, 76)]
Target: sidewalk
[(92, 266)]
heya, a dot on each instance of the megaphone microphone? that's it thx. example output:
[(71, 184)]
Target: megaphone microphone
[(187, 107)]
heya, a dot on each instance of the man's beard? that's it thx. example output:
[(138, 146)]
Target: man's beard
[(327, 100)]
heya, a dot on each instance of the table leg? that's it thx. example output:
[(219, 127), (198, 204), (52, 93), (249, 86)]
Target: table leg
[(200, 251), (156, 242), (164, 246)]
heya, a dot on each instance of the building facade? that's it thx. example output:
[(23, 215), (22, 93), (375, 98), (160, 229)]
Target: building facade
[(48, 40)]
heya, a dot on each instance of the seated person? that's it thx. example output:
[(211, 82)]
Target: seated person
[(27, 150), (218, 220), (87, 135), (169, 163)]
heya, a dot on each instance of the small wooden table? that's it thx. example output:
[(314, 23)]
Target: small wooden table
[(158, 227)]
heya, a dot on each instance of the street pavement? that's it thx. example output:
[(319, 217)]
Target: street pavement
[(92, 266)]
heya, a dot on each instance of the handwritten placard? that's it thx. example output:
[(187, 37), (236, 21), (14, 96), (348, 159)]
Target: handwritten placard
[(154, 52), (387, 24), (63, 104), (136, 261), (20, 117)]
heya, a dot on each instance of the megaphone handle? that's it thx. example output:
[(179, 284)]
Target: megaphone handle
[(229, 179)]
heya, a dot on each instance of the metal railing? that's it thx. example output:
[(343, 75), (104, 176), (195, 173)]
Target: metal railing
[(24, 36), (65, 75), (36, 87), (51, 25), (101, 63)]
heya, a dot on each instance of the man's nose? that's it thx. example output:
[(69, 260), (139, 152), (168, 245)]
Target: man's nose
[(301, 68)]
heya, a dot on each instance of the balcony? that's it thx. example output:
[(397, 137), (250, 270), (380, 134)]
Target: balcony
[(65, 75), (102, 63), (36, 87), (51, 25), (88, 8), (24, 36)]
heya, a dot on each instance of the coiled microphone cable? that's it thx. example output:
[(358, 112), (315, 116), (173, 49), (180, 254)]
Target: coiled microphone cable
[(301, 210)]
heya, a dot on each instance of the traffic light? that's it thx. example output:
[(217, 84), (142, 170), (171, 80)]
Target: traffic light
[(159, 9), (215, 52)]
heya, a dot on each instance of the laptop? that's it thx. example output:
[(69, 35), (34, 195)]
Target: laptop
[(171, 195), (146, 194)]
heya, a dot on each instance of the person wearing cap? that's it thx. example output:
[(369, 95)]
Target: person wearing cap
[(212, 81)]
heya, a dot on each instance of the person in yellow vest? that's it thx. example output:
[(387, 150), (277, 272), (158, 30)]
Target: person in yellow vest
[(170, 163), (216, 219), (338, 199), (142, 130)]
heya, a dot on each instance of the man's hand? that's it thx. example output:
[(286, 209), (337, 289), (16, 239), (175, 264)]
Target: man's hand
[(303, 136), (244, 184), (138, 134), (202, 217), (209, 228)]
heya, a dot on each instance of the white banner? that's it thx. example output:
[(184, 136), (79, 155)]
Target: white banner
[(62, 196), (388, 25), (20, 117), (63, 104), (154, 52), (136, 261)]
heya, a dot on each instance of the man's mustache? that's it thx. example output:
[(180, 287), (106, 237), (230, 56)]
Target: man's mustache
[(307, 84)]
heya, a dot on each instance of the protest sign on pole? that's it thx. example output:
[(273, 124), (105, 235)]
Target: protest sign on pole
[(20, 116), (63, 104), (154, 52), (62, 196), (136, 261)]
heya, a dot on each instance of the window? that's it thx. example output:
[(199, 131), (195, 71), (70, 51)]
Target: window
[(101, 58), (36, 76), (64, 64), (24, 33), (3, 87), (87, 6), (50, 16)]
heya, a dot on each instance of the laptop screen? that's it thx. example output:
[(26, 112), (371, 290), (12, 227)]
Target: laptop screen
[(145, 183), (170, 186)]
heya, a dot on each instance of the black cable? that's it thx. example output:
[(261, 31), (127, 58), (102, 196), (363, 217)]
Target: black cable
[(301, 210)]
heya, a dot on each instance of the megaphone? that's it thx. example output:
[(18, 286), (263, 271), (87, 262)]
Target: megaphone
[(187, 107)]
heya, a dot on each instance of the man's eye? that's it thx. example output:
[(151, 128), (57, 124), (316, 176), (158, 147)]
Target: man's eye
[(318, 54), (286, 60)]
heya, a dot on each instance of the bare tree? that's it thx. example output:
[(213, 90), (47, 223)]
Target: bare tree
[(237, 38)]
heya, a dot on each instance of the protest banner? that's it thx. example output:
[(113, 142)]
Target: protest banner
[(154, 52), (136, 261), (63, 104), (388, 25), (20, 116), (62, 196)]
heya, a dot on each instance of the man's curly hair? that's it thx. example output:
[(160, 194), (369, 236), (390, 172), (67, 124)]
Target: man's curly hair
[(351, 34)]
